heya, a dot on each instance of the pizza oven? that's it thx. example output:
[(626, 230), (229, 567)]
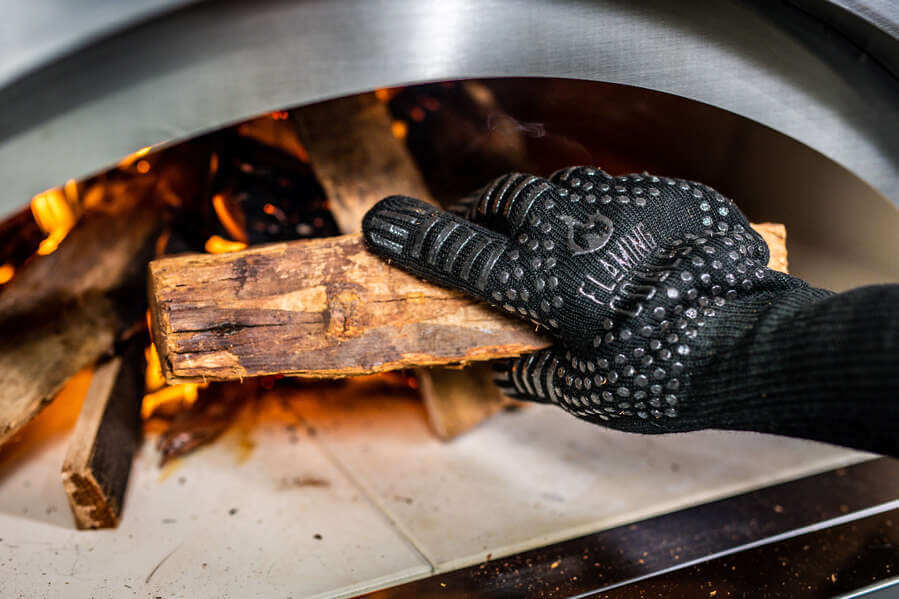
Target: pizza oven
[(132, 132)]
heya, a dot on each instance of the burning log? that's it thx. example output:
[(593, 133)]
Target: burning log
[(324, 308), (20, 237), (96, 468), (62, 311), (358, 159)]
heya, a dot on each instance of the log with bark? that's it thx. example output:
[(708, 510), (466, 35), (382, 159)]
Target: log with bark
[(358, 160), (98, 462), (63, 311), (324, 308)]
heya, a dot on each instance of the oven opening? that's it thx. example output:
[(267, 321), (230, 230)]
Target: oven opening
[(74, 291)]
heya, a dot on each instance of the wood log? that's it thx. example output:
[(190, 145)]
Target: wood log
[(98, 462), (62, 311), (356, 157), (358, 161), (321, 308), (20, 237), (463, 398)]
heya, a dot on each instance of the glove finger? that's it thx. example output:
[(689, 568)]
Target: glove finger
[(447, 250), (531, 377), (506, 204)]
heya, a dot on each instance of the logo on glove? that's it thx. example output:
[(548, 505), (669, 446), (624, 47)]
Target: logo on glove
[(590, 236)]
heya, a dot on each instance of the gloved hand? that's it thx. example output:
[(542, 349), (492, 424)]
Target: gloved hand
[(656, 290)]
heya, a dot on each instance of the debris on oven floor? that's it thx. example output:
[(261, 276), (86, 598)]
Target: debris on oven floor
[(279, 485), (330, 493)]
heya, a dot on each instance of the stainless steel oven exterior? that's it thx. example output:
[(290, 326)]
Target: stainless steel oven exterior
[(83, 84)]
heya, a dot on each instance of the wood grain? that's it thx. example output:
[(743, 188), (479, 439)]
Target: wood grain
[(324, 308), (98, 461), (62, 311), (358, 161)]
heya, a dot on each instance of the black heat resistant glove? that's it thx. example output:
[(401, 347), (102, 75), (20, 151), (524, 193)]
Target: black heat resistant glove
[(665, 315)]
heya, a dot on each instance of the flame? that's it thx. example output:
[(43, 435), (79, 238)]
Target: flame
[(6, 273), (131, 158), (399, 128), (280, 115), (55, 215), (387, 93), (218, 245), (231, 225), (182, 395), (158, 393), (154, 379)]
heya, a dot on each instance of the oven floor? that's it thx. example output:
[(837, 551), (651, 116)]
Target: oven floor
[(329, 494)]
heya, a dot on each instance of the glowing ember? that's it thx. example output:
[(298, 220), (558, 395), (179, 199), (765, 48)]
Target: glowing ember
[(387, 94), (6, 273), (132, 158), (399, 128)]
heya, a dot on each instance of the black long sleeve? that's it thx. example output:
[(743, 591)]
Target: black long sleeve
[(808, 363)]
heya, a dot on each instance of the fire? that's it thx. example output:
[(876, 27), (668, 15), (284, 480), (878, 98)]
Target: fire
[(132, 158), (219, 245), (399, 128), (179, 397), (55, 213), (387, 93), (280, 115), (143, 167), (221, 211), (6, 273), (159, 395)]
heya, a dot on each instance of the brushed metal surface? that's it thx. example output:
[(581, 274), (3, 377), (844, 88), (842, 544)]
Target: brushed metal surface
[(216, 63), (34, 33)]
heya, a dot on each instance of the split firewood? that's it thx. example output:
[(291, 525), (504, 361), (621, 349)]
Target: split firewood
[(62, 311), (464, 398), (96, 468), (359, 160), (214, 411), (356, 157), (324, 308)]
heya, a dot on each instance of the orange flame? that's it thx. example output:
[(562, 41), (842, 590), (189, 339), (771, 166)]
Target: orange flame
[(182, 395), (218, 245), (231, 225), (159, 393), (6, 273), (55, 215), (387, 93), (132, 158), (154, 379), (399, 128)]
